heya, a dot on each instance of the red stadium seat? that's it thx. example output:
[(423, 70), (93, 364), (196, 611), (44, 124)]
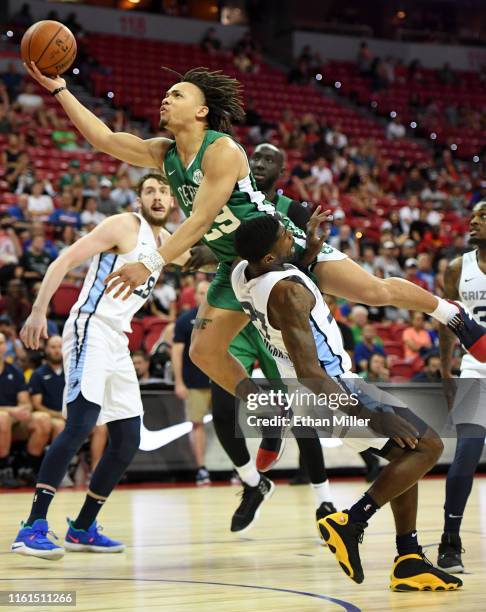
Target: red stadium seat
[(64, 299), (393, 348), (153, 330), (135, 338), (403, 369)]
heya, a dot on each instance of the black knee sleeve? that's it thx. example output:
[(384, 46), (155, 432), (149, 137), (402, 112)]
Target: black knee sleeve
[(123, 444), (225, 421), (81, 418)]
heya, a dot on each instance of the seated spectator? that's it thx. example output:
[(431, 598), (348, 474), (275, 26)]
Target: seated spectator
[(106, 204), (10, 251), (66, 214), (409, 212), (447, 76), (425, 271), (358, 318), (243, 62), (336, 138), (164, 299), (302, 179), (431, 370), (46, 385), (23, 177), (387, 261), (64, 139), (15, 303), (71, 175), (123, 196), (141, 363), (414, 185), (323, 180), (299, 73), (345, 241), (17, 422), (9, 158), (370, 344), (91, 215), (395, 130), (35, 260), (12, 79), (416, 339), (376, 370), (15, 349), (364, 58), (411, 273), (210, 42), (28, 100), (40, 205), (420, 226)]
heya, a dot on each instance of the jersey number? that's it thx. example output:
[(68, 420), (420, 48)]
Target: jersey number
[(227, 223), (145, 290), (256, 316), (478, 310)]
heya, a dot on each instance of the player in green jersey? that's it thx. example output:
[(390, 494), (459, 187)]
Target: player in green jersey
[(209, 174)]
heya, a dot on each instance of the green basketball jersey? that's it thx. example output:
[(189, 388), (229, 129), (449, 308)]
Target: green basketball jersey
[(282, 203), (244, 203)]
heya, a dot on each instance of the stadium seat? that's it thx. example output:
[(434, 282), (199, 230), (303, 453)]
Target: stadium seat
[(135, 338), (64, 299)]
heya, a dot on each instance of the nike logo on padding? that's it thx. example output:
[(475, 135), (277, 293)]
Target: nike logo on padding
[(455, 515), (152, 440), (170, 173)]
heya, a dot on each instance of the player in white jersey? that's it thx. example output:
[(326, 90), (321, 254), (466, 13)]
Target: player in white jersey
[(101, 384), (465, 279), (289, 312)]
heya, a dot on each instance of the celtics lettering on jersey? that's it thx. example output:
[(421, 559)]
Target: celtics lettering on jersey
[(244, 203)]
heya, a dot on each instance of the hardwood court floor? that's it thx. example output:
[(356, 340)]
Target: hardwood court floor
[(182, 557)]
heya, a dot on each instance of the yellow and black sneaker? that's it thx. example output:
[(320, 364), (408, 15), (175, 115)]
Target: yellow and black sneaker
[(343, 536), (415, 572)]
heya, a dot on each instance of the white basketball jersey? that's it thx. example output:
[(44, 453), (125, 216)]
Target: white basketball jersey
[(472, 291), (93, 300), (253, 295)]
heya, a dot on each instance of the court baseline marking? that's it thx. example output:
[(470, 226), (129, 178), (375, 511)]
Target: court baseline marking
[(346, 605)]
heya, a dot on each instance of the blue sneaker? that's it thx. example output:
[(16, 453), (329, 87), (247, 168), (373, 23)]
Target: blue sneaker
[(33, 541), (90, 540), (471, 334)]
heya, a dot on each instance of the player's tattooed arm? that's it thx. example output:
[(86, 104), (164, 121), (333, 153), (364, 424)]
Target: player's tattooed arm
[(447, 339)]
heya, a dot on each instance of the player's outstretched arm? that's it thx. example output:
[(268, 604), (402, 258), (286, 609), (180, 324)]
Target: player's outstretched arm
[(121, 145), (221, 167), (289, 308), (103, 238)]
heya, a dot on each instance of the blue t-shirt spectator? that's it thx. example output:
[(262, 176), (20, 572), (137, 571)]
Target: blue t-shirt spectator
[(194, 378), (363, 351), (16, 212), (12, 382), (65, 217), (49, 384)]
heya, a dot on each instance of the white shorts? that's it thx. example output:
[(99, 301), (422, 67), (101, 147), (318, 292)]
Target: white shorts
[(97, 363), (470, 400)]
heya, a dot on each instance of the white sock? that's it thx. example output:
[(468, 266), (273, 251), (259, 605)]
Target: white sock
[(444, 311), (322, 491), (248, 473)]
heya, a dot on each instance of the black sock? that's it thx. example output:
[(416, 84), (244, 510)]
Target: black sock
[(3, 462), (88, 512), (363, 509), (407, 544), (40, 505)]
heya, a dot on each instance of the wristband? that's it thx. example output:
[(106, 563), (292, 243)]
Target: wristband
[(153, 261), (58, 90)]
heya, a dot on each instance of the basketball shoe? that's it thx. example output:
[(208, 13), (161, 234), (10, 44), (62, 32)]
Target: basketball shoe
[(471, 334), (325, 509), (32, 540), (90, 540), (450, 549), (251, 500), (343, 537), (414, 572)]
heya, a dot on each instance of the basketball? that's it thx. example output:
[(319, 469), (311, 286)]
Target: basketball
[(51, 45)]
